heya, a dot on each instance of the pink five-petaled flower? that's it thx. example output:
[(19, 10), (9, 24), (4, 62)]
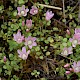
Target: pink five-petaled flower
[(22, 11), (29, 23), (76, 37), (34, 10), (75, 40), (76, 66), (23, 54), (49, 15), (77, 30), (66, 51), (30, 41), (18, 38)]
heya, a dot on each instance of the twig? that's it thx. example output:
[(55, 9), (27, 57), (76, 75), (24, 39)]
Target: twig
[(61, 23), (50, 6), (74, 7), (64, 11), (79, 13)]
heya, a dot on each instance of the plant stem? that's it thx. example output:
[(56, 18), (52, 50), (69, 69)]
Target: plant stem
[(64, 12), (43, 5)]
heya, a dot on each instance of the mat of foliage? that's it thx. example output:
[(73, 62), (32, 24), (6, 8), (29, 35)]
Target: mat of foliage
[(39, 42)]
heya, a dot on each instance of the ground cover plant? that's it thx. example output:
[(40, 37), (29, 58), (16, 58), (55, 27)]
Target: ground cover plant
[(39, 40)]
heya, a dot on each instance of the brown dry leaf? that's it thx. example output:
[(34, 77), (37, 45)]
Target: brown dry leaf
[(45, 67)]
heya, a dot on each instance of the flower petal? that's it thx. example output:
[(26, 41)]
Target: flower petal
[(23, 50), (78, 63), (30, 46), (19, 9), (34, 44), (19, 52), (23, 7)]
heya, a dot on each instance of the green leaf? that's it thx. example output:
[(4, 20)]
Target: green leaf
[(46, 41), (35, 71), (55, 29), (14, 27), (50, 39), (16, 68), (48, 23), (0, 70), (14, 13), (69, 44), (41, 57), (70, 16), (47, 53), (64, 44), (64, 20), (21, 2), (32, 73), (42, 38), (38, 73), (8, 72), (12, 45), (65, 40), (12, 79), (34, 34), (4, 67), (38, 53), (9, 67), (37, 48), (1, 7)]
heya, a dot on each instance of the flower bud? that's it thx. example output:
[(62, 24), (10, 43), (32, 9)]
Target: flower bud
[(68, 32), (71, 69), (4, 59), (23, 23), (67, 65), (2, 17), (68, 72), (27, 30), (29, 23)]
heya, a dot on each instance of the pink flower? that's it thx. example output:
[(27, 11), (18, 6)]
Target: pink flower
[(68, 72), (27, 30), (77, 30), (49, 15), (71, 69), (23, 54), (30, 41), (4, 59), (23, 23), (34, 10), (29, 23), (76, 66), (76, 37), (18, 38), (22, 11), (68, 32), (66, 65), (66, 51), (75, 40)]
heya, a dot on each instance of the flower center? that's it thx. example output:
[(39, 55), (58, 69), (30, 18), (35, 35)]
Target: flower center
[(19, 39), (75, 41), (22, 12), (29, 42), (65, 52), (24, 56), (35, 11), (77, 68)]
